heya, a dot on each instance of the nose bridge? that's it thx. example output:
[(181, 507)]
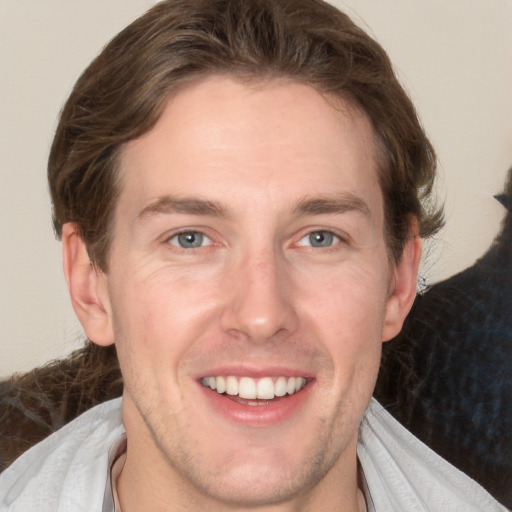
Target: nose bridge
[(260, 304)]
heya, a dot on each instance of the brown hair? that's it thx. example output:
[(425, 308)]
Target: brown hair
[(121, 95)]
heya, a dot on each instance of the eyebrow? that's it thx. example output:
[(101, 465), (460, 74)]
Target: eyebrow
[(337, 204), (343, 203), (188, 206)]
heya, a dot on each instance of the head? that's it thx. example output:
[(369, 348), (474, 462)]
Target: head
[(240, 190)]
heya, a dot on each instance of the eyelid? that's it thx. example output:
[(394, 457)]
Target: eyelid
[(184, 231), (336, 238), (340, 236), (204, 238)]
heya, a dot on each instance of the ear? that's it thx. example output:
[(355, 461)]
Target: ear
[(87, 287), (402, 290)]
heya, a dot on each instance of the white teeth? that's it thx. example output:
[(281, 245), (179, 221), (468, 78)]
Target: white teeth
[(221, 384), (248, 388), (280, 386), (290, 386), (265, 389), (231, 386)]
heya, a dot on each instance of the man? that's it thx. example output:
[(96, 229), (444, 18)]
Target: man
[(240, 189)]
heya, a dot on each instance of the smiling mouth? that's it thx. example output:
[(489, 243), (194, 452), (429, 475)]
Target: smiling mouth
[(263, 390)]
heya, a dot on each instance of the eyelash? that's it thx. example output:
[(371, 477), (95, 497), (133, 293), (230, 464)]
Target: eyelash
[(334, 238), (194, 232)]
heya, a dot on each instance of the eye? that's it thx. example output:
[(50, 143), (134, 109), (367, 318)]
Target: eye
[(319, 239), (190, 240)]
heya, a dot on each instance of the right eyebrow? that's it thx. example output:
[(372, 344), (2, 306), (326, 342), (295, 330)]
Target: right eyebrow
[(190, 206), (340, 203)]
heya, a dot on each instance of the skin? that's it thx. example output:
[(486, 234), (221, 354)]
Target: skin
[(261, 167)]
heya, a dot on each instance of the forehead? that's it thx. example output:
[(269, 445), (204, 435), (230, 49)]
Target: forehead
[(221, 139)]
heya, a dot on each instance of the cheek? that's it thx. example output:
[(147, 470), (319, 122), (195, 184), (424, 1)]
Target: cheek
[(348, 316), (352, 301), (156, 320)]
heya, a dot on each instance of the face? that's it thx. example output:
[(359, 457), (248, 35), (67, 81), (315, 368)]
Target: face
[(249, 290)]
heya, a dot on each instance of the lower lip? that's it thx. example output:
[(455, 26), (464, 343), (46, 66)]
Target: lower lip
[(277, 411)]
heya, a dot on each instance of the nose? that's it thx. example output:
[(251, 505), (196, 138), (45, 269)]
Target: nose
[(260, 304)]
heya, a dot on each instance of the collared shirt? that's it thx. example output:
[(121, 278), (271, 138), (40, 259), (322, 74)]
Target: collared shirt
[(70, 471), (116, 460)]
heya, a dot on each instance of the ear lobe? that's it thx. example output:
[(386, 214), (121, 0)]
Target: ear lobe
[(402, 288), (87, 287)]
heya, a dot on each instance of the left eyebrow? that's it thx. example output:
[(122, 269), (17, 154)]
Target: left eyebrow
[(333, 204)]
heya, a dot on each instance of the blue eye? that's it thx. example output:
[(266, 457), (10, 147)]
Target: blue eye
[(190, 240), (319, 239)]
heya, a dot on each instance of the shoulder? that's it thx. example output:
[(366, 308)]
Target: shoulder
[(402, 473), (68, 470)]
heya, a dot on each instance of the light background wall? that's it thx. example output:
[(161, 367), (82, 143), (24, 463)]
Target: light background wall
[(454, 57)]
